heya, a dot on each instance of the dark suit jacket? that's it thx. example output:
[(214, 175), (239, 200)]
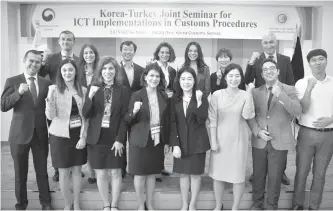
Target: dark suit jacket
[(140, 122), (94, 110), (277, 119), (52, 66), (136, 85), (223, 83), (26, 115), (189, 133), (286, 75)]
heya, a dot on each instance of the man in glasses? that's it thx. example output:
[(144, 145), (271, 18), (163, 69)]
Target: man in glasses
[(275, 105)]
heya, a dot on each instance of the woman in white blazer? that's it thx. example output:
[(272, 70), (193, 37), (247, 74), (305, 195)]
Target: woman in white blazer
[(68, 130)]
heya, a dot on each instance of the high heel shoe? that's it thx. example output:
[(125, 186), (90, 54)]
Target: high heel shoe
[(107, 207)]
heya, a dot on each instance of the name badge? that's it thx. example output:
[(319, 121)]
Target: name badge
[(106, 121), (75, 121), (155, 129)]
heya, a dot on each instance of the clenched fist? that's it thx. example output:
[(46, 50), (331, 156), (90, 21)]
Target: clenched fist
[(93, 90), (311, 83), (137, 106), (23, 88), (254, 56)]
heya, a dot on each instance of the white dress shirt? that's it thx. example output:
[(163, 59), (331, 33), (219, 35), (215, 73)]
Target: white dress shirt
[(129, 72), (35, 81), (274, 56), (165, 71)]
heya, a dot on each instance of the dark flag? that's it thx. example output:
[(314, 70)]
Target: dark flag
[(297, 61)]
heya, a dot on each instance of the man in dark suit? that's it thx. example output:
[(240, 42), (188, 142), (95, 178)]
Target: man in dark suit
[(275, 106), (253, 71), (52, 65), (131, 74), (25, 94)]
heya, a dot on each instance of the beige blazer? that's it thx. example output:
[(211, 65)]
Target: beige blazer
[(277, 119), (59, 112)]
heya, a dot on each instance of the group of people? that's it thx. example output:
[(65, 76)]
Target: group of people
[(91, 107)]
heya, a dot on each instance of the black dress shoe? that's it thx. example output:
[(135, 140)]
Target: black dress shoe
[(256, 208), (47, 207), (92, 180), (158, 179), (56, 176), (165, 173), (285, 179), (251, 178), (19, 207), (297, 207)]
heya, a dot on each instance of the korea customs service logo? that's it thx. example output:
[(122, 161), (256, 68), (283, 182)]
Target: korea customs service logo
[(282, 18), (48, 14)]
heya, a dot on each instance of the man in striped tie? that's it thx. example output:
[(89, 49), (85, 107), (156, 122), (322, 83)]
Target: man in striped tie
[(25, 94)]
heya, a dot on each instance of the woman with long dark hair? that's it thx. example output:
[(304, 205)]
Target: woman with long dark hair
[(194, 58), (164, 54), (88, 60), (68, 129)]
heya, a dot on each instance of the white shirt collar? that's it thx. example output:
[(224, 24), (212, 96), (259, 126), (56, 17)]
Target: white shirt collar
[(276, 83), (71, 55), (162, 67), (123, 63), (28, 76), (274, 55)]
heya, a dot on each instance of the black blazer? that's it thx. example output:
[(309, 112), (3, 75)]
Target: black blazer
[(286, 74), (223, 83), (94, 110), (52, 66), (26, 115), (189, 133), (140, 122), (136, 85)]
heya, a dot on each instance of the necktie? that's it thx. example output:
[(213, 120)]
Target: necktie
[(33, 89), (271, 57), (270, 97)]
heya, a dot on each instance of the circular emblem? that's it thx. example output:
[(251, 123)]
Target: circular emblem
[(282, 18), (48, 14)]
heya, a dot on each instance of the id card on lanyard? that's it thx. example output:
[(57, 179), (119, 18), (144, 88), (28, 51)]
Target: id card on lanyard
[(106, 116), (75, 121), (155, 129)]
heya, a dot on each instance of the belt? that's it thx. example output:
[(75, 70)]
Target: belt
[(318, 129)]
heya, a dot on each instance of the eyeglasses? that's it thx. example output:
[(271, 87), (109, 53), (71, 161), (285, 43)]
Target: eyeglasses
[(272, 68)]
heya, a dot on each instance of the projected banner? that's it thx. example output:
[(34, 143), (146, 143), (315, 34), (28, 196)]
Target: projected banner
[(162, 21)]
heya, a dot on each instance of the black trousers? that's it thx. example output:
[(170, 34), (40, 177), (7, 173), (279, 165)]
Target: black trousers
[(20, 155), (271, 162)]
